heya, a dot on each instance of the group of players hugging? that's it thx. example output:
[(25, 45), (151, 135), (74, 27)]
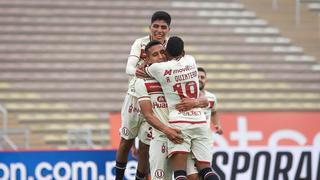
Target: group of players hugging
[(167, 109)]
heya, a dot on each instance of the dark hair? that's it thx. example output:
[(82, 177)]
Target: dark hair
[(202, 69), (161, 15), (175, 46), (150, 44)]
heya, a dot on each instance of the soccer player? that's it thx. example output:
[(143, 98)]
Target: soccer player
[(154, 107), (179, 79), (211, 110), (132, 123)]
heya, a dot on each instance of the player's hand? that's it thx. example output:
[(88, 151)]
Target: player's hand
[(174, 135), (140, 73), (186, 104), (218, 129), (135, 152)]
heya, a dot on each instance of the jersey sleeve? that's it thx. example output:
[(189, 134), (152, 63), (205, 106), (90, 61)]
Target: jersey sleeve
[(141, 90), (154, 70), (134, 57), (213, 102)]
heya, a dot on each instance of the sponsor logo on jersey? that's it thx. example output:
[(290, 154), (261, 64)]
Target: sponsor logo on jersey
[(184, 69), (161, 99), (167, 72), (159, 105), (133, 109)]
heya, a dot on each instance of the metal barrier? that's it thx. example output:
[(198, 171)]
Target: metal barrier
[(297, 11), (4, 117), (3, 134), (78, 138), (6, 132), (16, 132)]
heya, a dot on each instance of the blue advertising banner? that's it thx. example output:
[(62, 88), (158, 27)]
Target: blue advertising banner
[(230, 163), (62, 165)]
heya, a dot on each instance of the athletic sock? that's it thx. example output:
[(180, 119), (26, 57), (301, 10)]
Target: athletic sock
[(120, 168), (180, 175), (139, 175), (208, 174)]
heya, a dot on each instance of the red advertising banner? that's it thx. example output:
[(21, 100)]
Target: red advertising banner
[(258, 129)]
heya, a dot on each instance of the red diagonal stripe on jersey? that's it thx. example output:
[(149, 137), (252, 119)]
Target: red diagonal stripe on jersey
[(153, 87)]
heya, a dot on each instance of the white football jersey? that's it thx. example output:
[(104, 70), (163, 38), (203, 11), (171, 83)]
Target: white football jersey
[(137, 50), (179, 79), (150, 89), (212, 105)]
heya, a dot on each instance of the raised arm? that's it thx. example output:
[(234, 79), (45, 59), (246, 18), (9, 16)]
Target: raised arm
[(134, 57), (132, 65)]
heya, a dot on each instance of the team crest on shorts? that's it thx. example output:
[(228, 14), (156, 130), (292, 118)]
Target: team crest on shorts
[(125, 131), (159, 173)]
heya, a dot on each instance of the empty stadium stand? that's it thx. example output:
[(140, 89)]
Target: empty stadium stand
[(62, 62)]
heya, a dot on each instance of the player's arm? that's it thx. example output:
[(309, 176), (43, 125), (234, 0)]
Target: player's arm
[(140, 71), (133, 58), (173, 135), (216, 122), (187, 104)]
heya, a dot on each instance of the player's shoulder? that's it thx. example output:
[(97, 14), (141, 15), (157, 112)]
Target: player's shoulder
[(160, 64), (189, 57), (143, 41), (210, 94)]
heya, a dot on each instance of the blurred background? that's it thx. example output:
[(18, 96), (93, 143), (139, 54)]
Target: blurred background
[(62, 62)]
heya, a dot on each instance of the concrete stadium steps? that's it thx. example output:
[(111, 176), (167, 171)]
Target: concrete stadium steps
[(65, 57), (100, 140), (113, 67), (312, 5), (58, 96), (252, 86), (305, 33), (63, 117), (114, 30), (63, 87), (121, 58), (14, 40), (122, 5), (118, 13), (265, 106), (223, 75), (226, 49), (35, 107), (255, 58), (141, 22)]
